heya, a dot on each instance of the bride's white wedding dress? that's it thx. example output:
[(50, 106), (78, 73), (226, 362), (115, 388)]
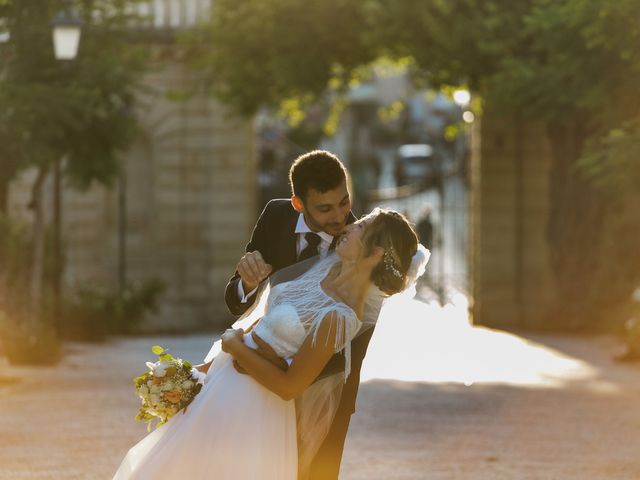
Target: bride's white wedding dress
[(235, 428)]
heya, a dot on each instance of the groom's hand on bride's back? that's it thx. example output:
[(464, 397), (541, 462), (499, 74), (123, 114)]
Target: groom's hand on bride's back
[(253, 270)]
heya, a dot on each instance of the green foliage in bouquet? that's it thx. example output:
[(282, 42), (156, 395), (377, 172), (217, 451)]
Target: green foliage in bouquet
[(168, 387)]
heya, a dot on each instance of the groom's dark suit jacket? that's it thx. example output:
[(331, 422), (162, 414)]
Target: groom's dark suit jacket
[(275, 238)]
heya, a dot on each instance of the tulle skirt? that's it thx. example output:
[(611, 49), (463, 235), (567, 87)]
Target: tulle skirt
[(234, 429)]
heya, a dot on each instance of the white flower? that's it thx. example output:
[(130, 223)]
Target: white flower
[(160, 369), (187, 384), (166, 386), (198, 376)]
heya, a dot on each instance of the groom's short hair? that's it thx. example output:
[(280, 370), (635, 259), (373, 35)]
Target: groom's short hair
[(319, 169)]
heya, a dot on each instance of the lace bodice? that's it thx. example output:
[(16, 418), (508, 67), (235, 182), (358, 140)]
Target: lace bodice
[(295, 309)]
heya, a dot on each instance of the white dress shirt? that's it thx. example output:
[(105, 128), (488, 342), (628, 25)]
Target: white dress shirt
[(301, 230)]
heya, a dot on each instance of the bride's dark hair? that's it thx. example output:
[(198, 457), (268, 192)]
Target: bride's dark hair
[(392, 232)]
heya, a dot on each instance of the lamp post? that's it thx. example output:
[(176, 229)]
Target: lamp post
[(66, 32)]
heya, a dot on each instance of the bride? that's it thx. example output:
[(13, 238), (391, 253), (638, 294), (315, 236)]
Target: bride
[(244, 426)]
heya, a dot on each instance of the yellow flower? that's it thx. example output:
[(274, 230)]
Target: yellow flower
[(173, 396), (187, 384)]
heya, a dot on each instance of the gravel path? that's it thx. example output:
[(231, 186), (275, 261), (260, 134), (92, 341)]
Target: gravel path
[(455, 403)]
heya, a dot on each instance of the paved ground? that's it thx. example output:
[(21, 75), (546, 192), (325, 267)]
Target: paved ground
[(440, 400)]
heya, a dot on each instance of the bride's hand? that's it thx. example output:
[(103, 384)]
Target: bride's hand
[(230, 338)]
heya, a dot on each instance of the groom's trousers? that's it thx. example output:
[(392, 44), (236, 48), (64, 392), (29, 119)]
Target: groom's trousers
[(326, 463)]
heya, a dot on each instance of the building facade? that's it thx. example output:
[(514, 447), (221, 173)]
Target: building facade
[(185, 205)]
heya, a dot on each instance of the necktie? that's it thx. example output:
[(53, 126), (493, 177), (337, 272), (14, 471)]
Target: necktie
[(332, 247), (313, 240)]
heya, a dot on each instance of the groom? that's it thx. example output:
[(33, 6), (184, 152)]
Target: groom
[(291, 230)]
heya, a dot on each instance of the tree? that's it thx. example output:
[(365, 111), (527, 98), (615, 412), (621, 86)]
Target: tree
[(259, 52), (81, 112), (572, 65)]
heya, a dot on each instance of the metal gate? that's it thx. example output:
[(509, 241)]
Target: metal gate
[(439, 209)]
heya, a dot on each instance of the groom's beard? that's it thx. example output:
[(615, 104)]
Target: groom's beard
[(332, 228), (335, 229)]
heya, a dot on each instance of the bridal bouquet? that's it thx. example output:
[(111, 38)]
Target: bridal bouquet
[(169, 386)]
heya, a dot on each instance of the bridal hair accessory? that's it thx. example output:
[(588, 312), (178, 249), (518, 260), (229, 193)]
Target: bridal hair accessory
[(417, 267), (390, 264)]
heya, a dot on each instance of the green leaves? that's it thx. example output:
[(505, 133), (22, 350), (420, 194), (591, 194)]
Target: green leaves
[(157, 350), (142, 379), (611, 161), (163, 354), (82, 110), (260, 52), (542, 58)]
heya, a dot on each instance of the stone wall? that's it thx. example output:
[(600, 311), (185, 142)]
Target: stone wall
[(190, 207), (512, 280)]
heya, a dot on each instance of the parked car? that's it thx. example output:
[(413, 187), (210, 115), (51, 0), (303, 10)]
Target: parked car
[(415, 163)]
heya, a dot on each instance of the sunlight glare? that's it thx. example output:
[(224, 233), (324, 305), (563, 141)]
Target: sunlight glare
[(423, 342), (462, 97)]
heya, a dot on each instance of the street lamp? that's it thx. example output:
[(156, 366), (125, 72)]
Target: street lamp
[(5, 36), (66, 31), (67, 28)]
